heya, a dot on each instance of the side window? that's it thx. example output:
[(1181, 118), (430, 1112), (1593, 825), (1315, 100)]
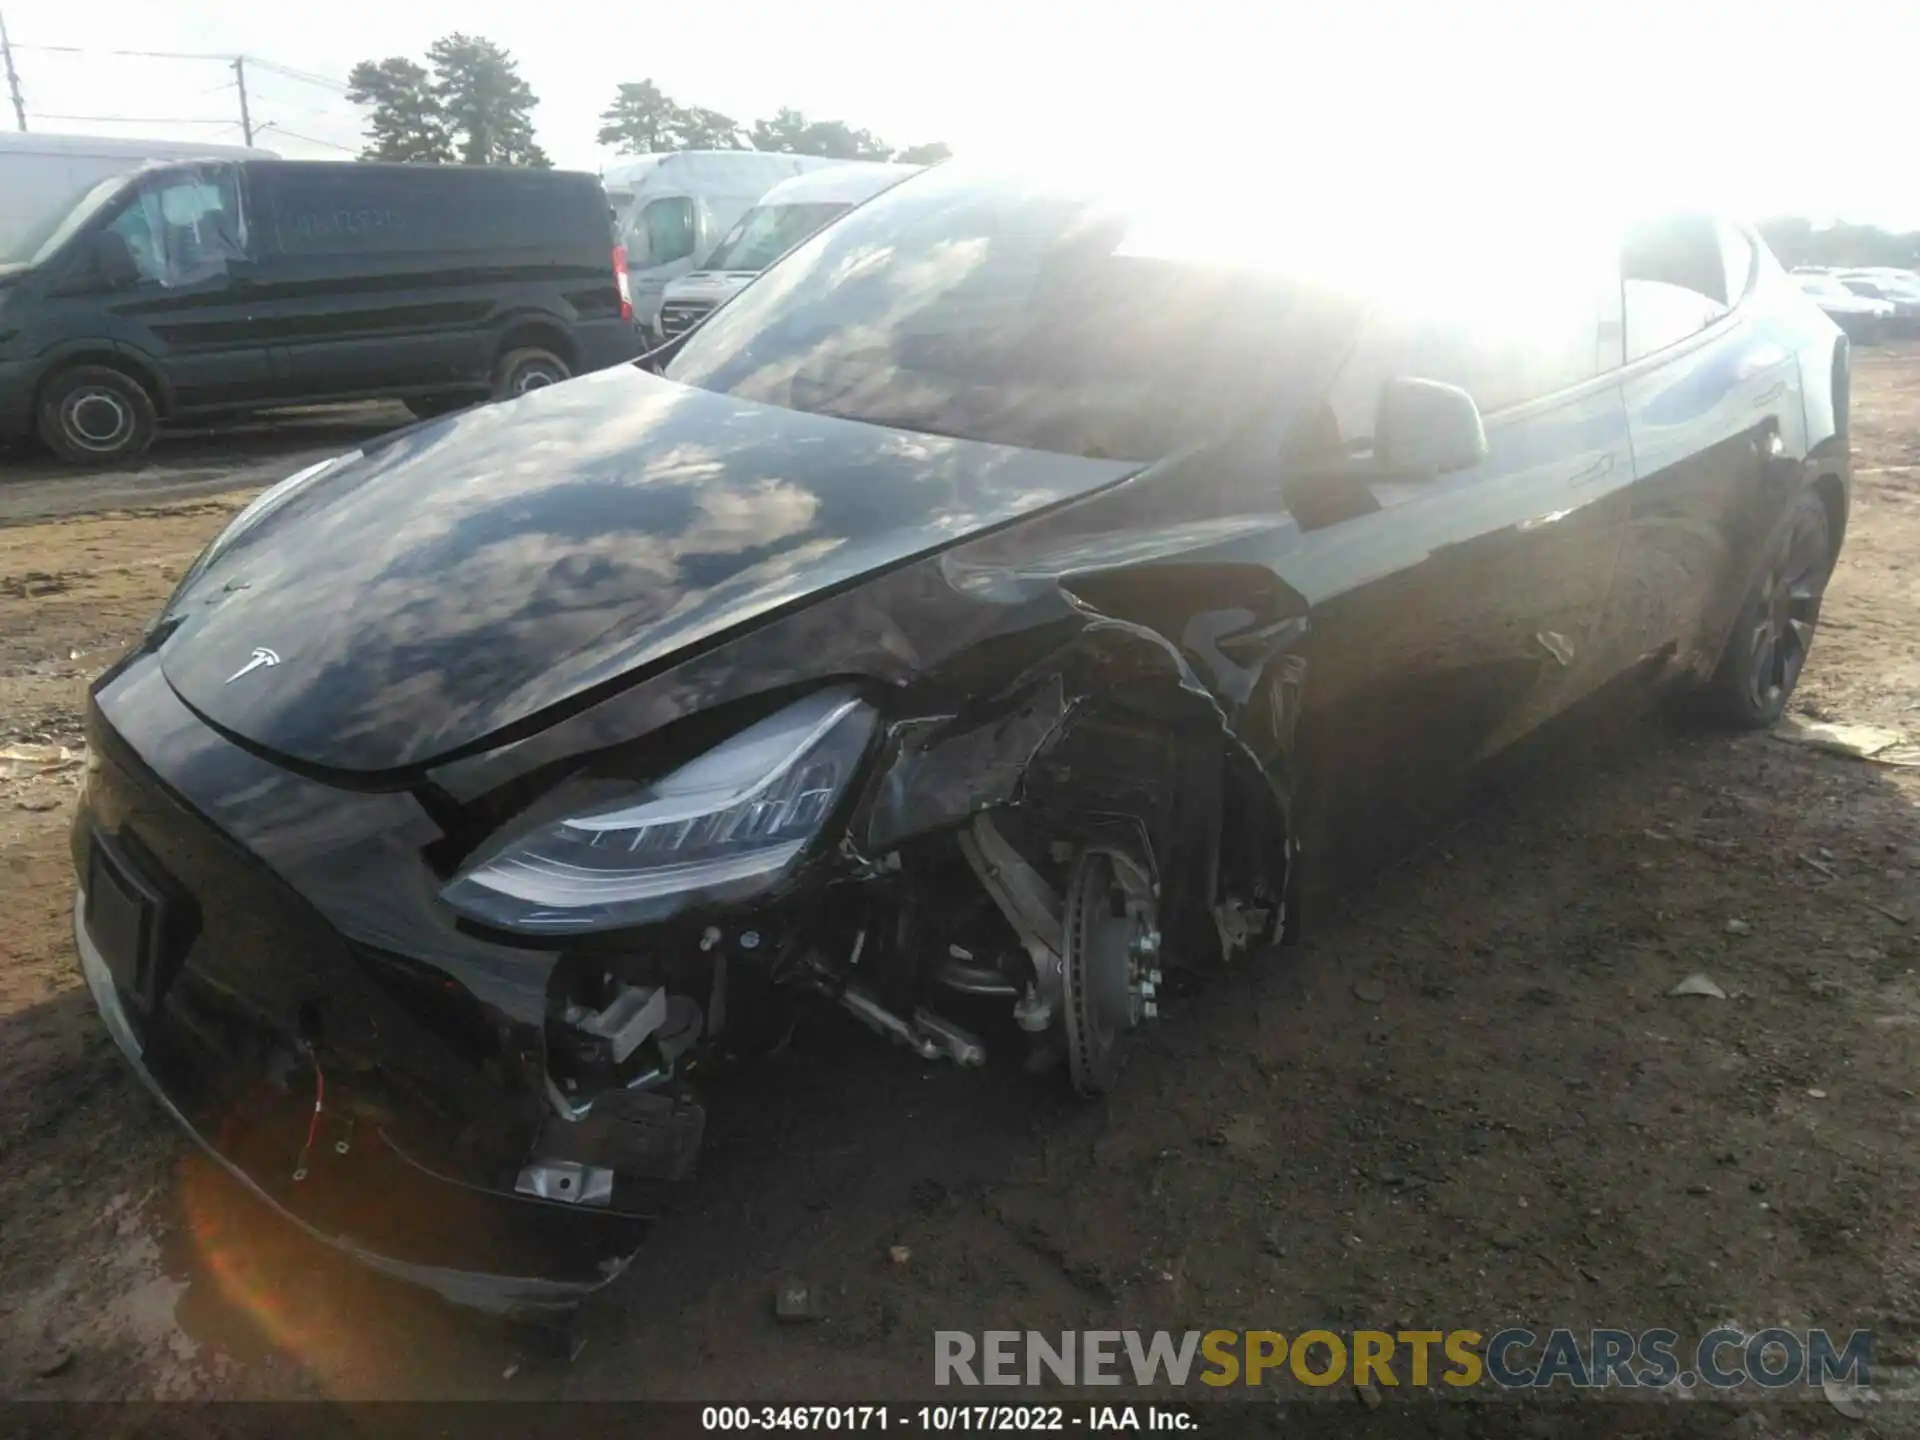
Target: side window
[(1518, 347), (1674, 280), (183, 229), (669, 228), (1509, 359)]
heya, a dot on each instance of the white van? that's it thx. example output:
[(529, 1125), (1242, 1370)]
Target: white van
[(42, 176), (670, 210), (786, 215)]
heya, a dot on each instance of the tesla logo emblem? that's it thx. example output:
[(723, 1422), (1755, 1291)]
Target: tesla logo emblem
[(263, 659)]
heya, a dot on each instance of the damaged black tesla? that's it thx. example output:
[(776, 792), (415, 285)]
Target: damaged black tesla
[(999, 607)]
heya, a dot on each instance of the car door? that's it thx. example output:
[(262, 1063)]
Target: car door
[(180, 260), (1713, 395), (1451, 616)]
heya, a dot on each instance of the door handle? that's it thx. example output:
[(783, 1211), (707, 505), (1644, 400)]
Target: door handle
[(1778, 389), (1598, 470)]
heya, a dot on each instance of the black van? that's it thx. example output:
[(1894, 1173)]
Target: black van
[(197, 288)]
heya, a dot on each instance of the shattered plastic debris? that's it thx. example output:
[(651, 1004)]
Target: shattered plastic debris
[(1698, 985), (793, 1302), (23, 758), (1857, 742), (1851, 1400)]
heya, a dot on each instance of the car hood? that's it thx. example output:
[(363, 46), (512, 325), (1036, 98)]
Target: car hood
[(467, 575)]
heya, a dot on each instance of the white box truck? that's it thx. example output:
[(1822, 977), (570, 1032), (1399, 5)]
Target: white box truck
[(41, 176)]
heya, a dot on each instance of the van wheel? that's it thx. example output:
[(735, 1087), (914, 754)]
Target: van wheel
[(529, 369), (95, 415)]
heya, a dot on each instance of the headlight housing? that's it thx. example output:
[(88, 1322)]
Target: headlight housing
[(720, 828)]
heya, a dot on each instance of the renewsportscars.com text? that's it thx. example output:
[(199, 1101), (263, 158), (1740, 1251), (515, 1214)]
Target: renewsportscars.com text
[(1510, 1359)]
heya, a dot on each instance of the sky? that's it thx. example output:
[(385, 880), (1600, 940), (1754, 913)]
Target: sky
[(1751, 107)]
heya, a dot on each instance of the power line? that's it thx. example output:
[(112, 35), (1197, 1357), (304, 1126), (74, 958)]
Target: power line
[(296, 74), (141, 54), (238, 83), (128, 119), (291, 71), (278, 128)]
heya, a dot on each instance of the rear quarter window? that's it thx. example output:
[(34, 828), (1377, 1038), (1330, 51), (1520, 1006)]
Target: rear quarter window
[(347, 211)]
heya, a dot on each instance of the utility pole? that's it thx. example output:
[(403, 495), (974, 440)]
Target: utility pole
[(13, 80), (246, 120)]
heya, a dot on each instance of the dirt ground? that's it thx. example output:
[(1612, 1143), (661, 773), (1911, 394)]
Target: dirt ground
[(1516, 1124)]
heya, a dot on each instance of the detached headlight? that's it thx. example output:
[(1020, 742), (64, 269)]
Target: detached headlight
[(719, 828)]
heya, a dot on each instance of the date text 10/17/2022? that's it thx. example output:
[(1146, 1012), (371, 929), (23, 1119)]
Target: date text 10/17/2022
[(952, 1419)]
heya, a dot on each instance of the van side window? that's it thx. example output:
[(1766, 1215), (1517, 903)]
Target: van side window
[(1674, 280), (669, 227), (183, 229)]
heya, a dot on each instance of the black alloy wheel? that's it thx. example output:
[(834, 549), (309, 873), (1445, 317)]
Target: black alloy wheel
[(1770, 642)]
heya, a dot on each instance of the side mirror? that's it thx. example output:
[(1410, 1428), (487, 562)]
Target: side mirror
[(113, 262), (1426, 428)]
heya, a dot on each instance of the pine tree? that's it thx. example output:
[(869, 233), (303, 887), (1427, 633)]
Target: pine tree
[(407, 122), (488, 107)]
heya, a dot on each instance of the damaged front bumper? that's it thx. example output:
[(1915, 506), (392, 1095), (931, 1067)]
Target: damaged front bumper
[(568, 1273), (382, 1106)]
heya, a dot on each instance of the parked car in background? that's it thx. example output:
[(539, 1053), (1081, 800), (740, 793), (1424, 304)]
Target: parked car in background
[(42, 176), (671, 209), (1010, 601), (208, 288), (1864, 317), (1899, 288), (784, 216)]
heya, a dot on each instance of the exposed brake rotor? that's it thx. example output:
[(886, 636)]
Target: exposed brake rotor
[(1111, 964)]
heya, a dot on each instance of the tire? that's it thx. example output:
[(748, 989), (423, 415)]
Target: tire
[(432, 407), (528, 368), (96, 415), (1768, 648)]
